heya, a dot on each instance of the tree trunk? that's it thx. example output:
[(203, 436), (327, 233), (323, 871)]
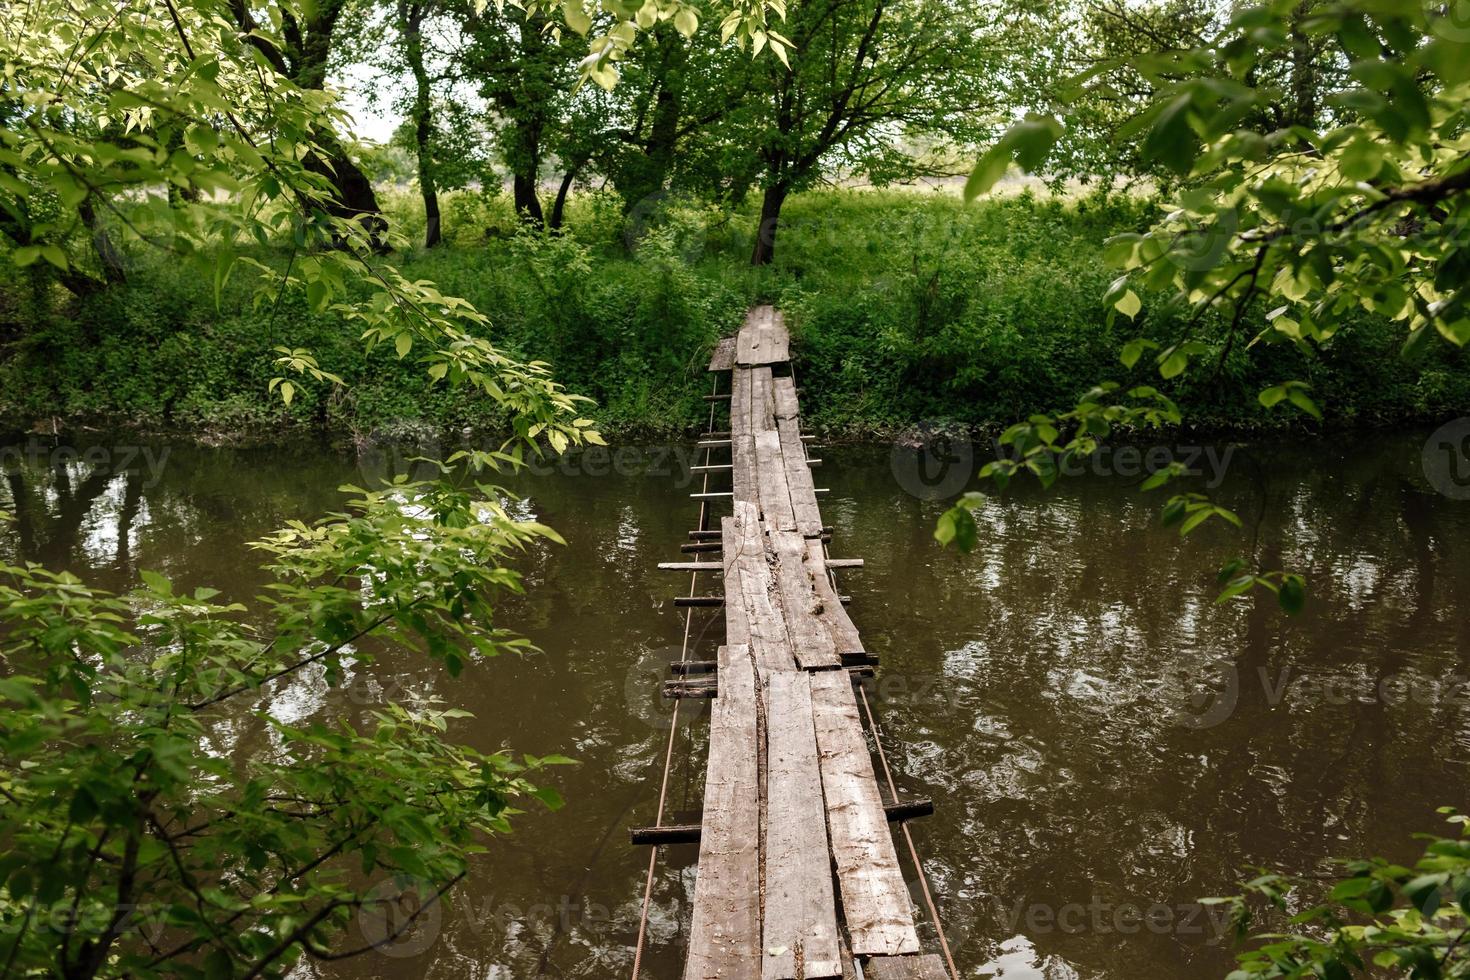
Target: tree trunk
[(559, 206), (765, 234), (1303, 72), (111, 260), (528, 205), (423, 121), (304, 60)]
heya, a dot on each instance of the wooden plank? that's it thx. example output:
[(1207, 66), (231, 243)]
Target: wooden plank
[(800, 917), (724, 934), (811, 641), (845, 636), (723, 358), (784, 393), (743, 474), (765, 623), (799, 479), (763, 338), (737, 626), (927, 966), (740, 397), (762, 400), (875, 901), (771, 482)]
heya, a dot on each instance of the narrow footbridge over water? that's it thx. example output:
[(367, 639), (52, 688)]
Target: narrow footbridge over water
[(798, 873)]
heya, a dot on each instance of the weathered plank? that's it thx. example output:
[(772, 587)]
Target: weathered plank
[(771, 484), (927, 966), (811, 640), (737, 625), (745, 552), (875, 901), (740, 399), (784, 392), (743, 475), (723, 358), (829, 610), (724, 935), (762, 399), (800, 917), (763, 338), (799, 479)]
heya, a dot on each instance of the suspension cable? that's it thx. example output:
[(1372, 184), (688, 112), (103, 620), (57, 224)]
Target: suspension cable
[(663, 790)]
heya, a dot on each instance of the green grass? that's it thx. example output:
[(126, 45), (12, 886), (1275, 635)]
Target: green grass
[(905, 306)]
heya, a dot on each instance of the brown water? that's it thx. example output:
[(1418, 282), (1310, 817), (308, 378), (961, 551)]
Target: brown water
[(1041, 691)]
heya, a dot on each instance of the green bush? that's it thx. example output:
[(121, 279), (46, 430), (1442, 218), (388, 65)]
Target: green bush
[(904, 306)]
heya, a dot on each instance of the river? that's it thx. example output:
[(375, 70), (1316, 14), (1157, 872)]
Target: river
[(1104, 743)]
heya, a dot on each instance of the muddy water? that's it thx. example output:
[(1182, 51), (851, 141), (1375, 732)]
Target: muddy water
[(1104, 743)]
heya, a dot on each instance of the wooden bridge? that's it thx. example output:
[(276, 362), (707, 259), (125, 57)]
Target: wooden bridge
[(798, 874)]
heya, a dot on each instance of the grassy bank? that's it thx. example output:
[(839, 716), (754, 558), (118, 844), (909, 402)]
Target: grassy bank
[(905, 306)]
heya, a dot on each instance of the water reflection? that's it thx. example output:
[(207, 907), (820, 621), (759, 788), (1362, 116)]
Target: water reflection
[(1099, 734)]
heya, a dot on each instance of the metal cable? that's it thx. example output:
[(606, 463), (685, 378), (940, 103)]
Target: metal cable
[(888, 777), (663, 790)]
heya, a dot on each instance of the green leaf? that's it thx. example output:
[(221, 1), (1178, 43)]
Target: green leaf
[(156, 583), (577, 19), (990, 168), (1170, 139), (1129, 304), (1303, 401), (1292, 594)]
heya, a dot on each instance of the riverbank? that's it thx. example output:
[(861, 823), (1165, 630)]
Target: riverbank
[(906, 307)]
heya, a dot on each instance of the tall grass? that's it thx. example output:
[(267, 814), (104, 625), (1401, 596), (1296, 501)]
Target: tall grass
[(905, 306)]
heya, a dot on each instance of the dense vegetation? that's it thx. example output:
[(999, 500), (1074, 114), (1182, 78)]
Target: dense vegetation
[(195, 243), (907, 306)]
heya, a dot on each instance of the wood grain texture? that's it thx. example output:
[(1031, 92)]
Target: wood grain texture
[(799, 479), (811, 639), (746, 554), (800, 917), (926, 966), (723, 358), (762, 400), (784, 391), (771, 485), (743, 469), (724, 933), (763, 338), (830, 611), (740, 399), (875, 900)]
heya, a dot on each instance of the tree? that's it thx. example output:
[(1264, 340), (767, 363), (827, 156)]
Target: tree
[(1104, 62), (302, 52), (411, 28), (525, 72), (854, 77), (140, 847), (1360, 200), (122, 810)]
